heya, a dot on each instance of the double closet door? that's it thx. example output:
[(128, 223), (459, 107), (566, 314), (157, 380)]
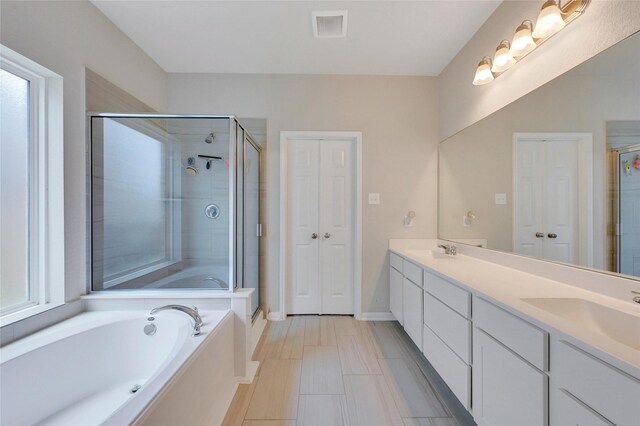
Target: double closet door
[(546, 222), (320, 234)]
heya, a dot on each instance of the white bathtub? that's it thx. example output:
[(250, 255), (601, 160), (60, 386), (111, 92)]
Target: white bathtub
[(81, 371)]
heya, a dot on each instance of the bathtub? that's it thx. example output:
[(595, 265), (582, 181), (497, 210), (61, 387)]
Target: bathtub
[(101, 368)]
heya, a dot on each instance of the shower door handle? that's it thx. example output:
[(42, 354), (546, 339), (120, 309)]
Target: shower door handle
[(314, 236)]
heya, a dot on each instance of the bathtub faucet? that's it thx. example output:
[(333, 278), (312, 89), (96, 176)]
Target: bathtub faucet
[(192, 312)]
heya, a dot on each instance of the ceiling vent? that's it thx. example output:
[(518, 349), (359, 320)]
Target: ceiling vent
[(329, 24)]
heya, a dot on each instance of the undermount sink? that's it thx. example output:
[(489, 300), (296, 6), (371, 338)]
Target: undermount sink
[(430, 254), (619, 326)]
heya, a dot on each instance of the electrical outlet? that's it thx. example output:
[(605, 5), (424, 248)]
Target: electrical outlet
[(501, 198), (374, 198)]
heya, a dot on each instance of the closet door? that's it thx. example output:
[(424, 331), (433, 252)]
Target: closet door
[(303, 243), (336, 226)]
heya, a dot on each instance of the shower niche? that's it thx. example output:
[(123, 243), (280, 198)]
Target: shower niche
[(174, 203)]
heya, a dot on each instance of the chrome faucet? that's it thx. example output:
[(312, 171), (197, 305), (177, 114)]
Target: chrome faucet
[(449, 249), (192, 312), (636, 298)]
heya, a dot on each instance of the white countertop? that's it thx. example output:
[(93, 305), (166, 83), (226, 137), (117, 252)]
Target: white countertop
[(508, 286)]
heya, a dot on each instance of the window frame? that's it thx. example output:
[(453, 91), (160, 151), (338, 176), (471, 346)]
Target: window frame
[(45, 264)]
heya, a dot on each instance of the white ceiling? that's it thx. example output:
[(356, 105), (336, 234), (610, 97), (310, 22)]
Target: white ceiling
[(383, 37)]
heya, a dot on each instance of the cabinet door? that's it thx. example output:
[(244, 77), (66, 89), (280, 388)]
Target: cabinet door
[(507, 390), (412, 311), (395, 296)]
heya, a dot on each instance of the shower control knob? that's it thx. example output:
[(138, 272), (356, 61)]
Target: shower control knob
[(327, 235), (552, 235), (314, 236)]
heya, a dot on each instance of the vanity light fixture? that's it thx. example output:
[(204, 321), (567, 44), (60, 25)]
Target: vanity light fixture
[(522, 40), (483, 73), (503, 60), (553, 17), (549, 21)]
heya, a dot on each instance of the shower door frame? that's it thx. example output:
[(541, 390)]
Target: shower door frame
[(616, 201), (233, 162)]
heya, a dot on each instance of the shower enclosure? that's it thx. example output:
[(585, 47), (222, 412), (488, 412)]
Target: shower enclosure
[(174, 203)]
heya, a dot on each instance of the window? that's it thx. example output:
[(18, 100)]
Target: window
[(31, 212)]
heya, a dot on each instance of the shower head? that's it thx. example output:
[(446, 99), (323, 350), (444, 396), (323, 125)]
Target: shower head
[(210, 138)]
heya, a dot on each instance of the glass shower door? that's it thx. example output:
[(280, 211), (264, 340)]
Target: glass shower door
[(251, 219)]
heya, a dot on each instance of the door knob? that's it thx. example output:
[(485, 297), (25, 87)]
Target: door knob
[(539, 234), (552, 235), (327, 235), (314, 236)]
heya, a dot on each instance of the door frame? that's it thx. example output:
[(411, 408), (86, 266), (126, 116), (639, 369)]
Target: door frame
[(616, 200), (585, 187), (356, 139)]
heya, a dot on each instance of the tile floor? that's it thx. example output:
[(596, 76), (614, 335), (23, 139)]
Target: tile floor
[(332, 371)]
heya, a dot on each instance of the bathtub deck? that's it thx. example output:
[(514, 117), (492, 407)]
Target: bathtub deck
[(333, 370)]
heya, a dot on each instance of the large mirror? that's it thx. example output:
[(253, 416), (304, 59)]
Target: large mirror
[(556, 174)]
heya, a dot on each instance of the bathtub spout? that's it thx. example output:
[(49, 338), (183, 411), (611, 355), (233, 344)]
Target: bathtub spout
[(192, 312)]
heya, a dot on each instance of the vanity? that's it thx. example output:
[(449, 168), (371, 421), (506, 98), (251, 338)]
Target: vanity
[(514, 347)]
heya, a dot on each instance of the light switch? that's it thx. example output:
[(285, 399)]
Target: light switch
[(374, 198), (501, 198)]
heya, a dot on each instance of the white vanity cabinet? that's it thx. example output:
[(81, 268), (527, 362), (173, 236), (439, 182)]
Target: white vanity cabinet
[(395, 287), (510, 385), (412, 301), (588, 389), (446, 341), (405, 298)]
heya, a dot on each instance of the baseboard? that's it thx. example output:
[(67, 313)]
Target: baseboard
[(275, 316), (252, 369), (256, 330), (376, 316)]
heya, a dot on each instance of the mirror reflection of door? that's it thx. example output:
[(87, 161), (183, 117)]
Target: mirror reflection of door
[(547, 197), (628, 228)]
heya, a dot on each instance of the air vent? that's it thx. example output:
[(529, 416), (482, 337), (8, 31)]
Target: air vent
[(329, 24)]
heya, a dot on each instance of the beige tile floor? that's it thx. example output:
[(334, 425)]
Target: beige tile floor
[(333, 370)]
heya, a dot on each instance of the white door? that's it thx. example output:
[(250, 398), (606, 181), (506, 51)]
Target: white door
[(546, 199), (321, 226), (629, 221)]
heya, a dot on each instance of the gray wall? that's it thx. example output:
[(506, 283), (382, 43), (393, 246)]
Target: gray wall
[(398, 119)]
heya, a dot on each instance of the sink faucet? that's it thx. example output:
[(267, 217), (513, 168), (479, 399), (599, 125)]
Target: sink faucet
[(636, 298), (192, 312), (449, 249)]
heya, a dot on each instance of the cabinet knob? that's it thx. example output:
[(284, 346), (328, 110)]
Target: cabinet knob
[(314, 236), (539, 234), (552, 235), (327, 235)]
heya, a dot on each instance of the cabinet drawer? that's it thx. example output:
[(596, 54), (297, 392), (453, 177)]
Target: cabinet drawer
[(451, 295), (413, 272), (395, 261), (568, 410), (455, 373), (525, 339), (451, 327), (412, 311), (607, 390)]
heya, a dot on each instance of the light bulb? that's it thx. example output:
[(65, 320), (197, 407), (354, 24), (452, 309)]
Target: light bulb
[(549, 21), (522, 40), (483, 72), (502, 60)]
